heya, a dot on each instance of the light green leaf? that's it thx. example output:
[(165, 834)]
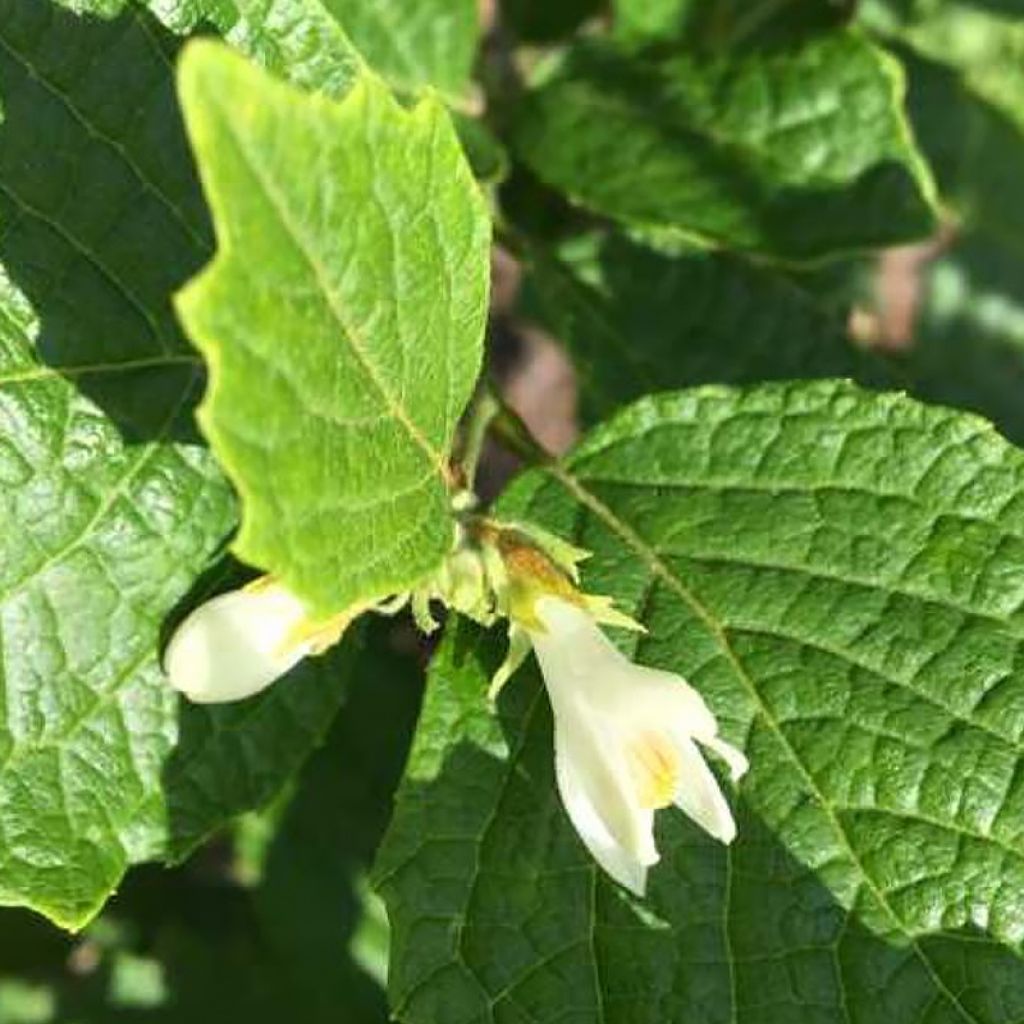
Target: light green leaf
[(321, 43), (841, 575), (343, 321), (798, 152), (424, 42), (109, 506), (303, 42), (299, 40)]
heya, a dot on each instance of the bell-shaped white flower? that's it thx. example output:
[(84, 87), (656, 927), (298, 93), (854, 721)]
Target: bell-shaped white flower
[(238, 643), (625, 743)]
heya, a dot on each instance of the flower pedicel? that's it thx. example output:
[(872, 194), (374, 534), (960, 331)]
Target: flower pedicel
[(628, 738)]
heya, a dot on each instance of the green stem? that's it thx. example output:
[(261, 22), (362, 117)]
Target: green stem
[(514, 435), (485, 408)]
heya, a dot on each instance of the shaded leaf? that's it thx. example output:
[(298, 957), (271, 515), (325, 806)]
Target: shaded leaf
[(725, 23), (636, 321), (537, 21), (977, 150)]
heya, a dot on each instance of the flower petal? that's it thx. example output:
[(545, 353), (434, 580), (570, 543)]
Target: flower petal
[(574, 654), (577, 790), (699, 796), (236, 644), (732, 756)]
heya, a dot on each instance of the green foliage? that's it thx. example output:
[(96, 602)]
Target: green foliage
[(319, 385), (301, 41), (864, 649), (797, 152), (322, 44), (717, 24), (538, 21), (178, 15), (244, 283), (278, 938), (636, 320), (427, 42), (109, 510)]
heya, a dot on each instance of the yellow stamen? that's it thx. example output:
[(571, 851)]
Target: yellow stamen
[(655, 767), (320, 635)]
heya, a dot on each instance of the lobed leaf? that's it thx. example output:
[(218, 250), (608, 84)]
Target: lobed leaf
[(343, 321)]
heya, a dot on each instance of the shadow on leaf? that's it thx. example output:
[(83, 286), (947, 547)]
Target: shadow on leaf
[(497, 912), (192, 944), (101, 212)]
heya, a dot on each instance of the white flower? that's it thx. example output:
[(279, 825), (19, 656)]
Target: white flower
[(238, 643), (624, 743)]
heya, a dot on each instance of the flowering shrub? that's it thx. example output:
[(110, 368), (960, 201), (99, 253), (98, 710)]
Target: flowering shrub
[(722, 705)]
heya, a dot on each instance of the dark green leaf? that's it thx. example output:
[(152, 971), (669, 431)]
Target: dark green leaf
[(797, 153), (840, 574), (977, 150), (540, 21), (637, 321), (719, 24)]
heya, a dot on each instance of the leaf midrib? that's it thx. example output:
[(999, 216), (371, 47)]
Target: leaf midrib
[(356, 343)]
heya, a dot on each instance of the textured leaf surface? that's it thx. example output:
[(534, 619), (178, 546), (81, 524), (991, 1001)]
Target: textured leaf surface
[(282, 939), (178, 15), (321, 43), (109, 507), (795, 152), (301, 41), (343, 321), (840, 574), (414, 42)]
